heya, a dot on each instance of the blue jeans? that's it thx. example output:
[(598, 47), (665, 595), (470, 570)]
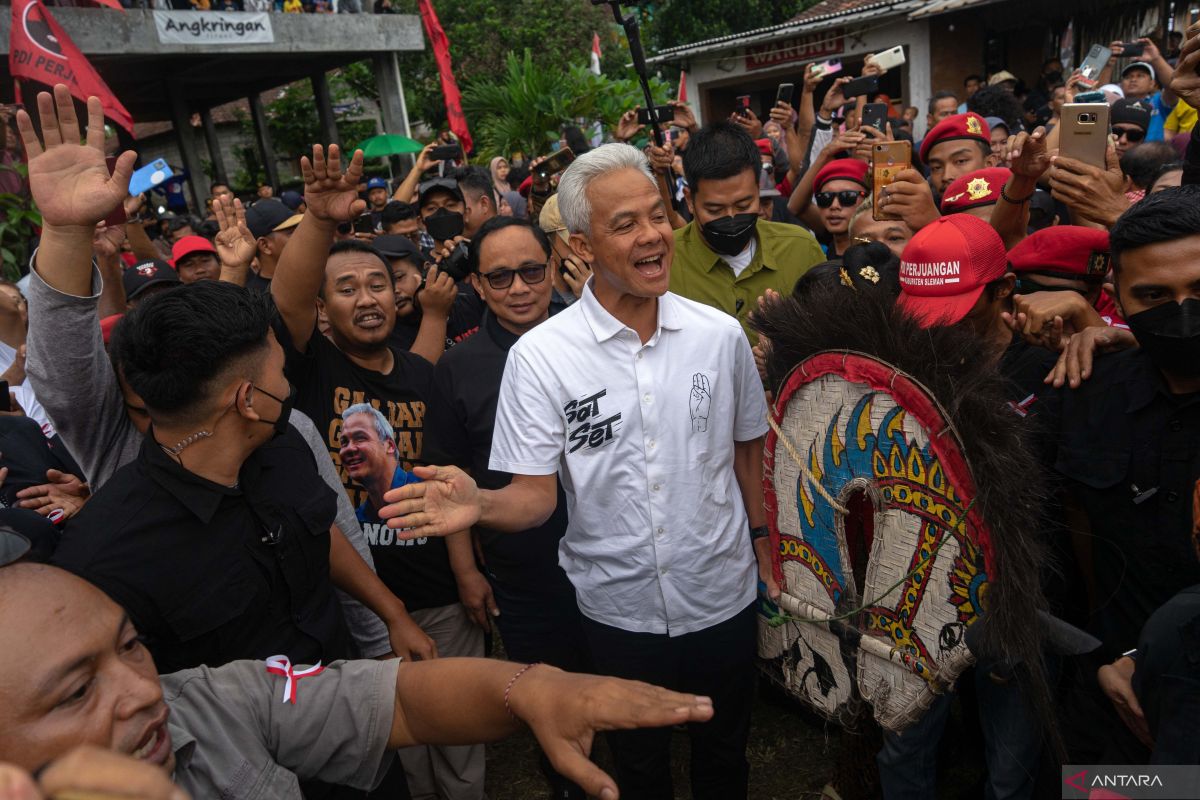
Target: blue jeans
[(1012, 745)]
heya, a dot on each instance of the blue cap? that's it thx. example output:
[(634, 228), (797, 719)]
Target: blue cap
[(376, 183)]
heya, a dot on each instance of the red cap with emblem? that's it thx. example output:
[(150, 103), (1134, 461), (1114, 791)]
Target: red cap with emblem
[(979, 188), (1063, 251), (961, 126), (946, 266), (847, 169)]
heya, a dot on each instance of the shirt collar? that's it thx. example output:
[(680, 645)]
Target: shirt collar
[(200, 496), (697, 242), (605, 326), (1147, 382), (184, 745), (503, 337)]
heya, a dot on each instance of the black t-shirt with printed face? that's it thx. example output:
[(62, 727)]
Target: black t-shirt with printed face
[(327, 383)]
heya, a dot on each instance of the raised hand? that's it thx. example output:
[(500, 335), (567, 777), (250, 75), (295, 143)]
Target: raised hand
[(330, 194), (699, 401), (1026, 153), (749, 122), (1185, 83), (661, 158), (235, 244), (69, 181), (106, 241), (628, 126), (565, 710), (437, 293), (684, 117), (1092, 194), (444, 502)]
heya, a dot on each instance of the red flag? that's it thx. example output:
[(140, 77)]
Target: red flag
[(595, 65), (441, 53), (111, 4), (40, 50), (682, 96)]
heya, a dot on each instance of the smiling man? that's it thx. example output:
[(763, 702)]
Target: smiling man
[(649, 409), (957, 145), (73, 672), (727, 257)]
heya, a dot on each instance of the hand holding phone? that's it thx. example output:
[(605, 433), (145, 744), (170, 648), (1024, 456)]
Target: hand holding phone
[(867, 84), (888, 159), (875, 115), (743, 105), (555, 162), (1133, 49), (446, 152), (663, 114), (784, 93)]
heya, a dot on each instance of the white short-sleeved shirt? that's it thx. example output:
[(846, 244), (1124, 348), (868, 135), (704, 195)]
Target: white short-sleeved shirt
[(642, 437)]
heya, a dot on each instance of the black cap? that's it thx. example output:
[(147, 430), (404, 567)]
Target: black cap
[(435, 184), (269, 215), (144, 274), (394, 246), (1131, 112)]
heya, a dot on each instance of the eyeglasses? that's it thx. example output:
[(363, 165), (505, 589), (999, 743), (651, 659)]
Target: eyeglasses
[(503, 278), (1132, 134), (845, 199)]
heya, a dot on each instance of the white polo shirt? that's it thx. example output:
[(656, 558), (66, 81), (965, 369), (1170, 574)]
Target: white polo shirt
[(642, 438)]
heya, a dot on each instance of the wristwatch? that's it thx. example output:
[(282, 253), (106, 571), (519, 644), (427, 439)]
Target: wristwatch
[(761, 532)]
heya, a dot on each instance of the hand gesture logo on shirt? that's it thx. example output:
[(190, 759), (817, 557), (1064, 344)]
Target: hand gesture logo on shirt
[(700, 399)]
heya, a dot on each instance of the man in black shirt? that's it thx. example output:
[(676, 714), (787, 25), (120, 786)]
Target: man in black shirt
[(219, 539), (351, 283), (271, 223), (537, 613)]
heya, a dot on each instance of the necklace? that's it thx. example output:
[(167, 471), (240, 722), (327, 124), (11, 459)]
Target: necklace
[(180, 446)]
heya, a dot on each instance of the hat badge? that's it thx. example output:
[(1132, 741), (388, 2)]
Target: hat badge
[(1098, 263), (973, 126), (147, 270), (978, 188)]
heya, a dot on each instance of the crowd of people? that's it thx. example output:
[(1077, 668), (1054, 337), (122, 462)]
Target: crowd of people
[(275, 473)]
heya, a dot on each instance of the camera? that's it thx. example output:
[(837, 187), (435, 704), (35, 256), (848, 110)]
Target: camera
[(456, 264)]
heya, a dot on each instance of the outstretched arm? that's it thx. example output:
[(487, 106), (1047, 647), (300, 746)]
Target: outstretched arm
[(331, 197), (463, 700), (447, 500)]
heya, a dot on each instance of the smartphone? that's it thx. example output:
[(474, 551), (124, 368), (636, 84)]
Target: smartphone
[(1091, 97), (662, 113), (867, 84), (1097, 57), (875, 115), (743, 105), (5, 400), (890, 58), (1132, 49), (149, 176), (827, 68), (115, 217), (446, 152), (784, 93), (364, 224), (1084, 134), (888, 159), (556, 162)]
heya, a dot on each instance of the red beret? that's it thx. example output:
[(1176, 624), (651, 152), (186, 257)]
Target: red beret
[(960, 126), (849, 169), (1065, 251), (764, 147), (979, 188)]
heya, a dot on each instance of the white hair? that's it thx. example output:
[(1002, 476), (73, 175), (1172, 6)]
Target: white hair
[(573, 204), (382, 426)]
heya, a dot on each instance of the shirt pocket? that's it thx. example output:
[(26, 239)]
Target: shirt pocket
[(213, 602), (1096, 470)]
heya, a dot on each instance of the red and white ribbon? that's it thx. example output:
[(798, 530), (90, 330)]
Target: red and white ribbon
[(281, 665)]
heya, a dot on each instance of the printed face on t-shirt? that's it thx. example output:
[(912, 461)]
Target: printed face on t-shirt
[(365, 456)]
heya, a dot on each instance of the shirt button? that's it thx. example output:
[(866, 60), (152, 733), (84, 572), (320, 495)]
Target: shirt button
[(656, 487), (651, 444), (662, 571), (646, 398), (659, 532), (639, 355), (1172, 497)]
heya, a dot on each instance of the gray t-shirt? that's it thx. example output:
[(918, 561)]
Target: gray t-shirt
[(234, 737), (68, 366)]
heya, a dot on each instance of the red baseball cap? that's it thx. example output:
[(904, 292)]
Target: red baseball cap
[(765, 147), (188, 245), (960, 126), (849, 169), (1063, 251), (946, 266), (979, 188)]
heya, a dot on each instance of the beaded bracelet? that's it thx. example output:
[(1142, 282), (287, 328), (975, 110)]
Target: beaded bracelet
[(1020, 202), (508, 689)]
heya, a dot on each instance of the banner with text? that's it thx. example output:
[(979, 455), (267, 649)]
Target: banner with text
[(804, 47), (213, 27)]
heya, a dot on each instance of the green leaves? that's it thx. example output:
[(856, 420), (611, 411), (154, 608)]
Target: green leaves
[(526, 107), (18, 222)]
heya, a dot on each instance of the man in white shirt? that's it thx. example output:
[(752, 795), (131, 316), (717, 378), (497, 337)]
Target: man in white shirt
[(649, 409)]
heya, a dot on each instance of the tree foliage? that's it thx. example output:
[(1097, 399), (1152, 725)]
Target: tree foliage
[(525, 107), (671, 23)]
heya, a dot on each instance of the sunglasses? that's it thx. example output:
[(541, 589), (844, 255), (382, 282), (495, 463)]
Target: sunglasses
[(503, 278), (845, 199), (1132, 134)]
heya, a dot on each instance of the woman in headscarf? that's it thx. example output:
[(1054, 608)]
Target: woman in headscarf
[(517, 207), (500, 171)]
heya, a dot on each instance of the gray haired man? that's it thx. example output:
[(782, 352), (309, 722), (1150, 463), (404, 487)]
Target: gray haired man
[(649, 409)]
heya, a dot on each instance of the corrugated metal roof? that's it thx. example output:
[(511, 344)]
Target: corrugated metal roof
[(822, 15)]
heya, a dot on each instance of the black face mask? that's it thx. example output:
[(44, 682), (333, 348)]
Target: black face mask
[(730, 235), (1170, 335), (280, 423), (444, 225)]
